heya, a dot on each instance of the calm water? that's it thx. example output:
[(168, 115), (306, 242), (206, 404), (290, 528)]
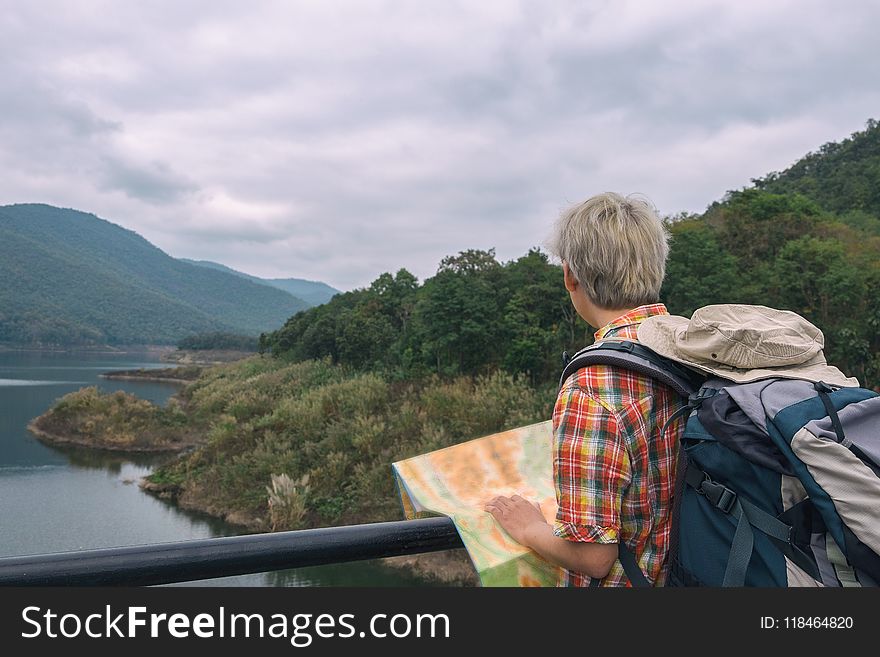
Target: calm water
[(54, 499)]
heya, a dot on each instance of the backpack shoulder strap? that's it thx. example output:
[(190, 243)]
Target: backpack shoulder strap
[(633, 356), (638, 358)]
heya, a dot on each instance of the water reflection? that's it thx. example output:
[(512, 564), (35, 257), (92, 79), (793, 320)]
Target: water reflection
[(96, 459)]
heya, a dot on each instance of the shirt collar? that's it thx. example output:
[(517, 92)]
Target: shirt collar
[(634, 316)]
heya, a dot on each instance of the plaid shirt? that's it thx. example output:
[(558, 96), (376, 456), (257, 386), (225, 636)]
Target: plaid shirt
[(613, 471)]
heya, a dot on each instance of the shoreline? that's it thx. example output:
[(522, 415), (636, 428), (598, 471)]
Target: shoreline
[(90, 349), (205, 357), (56, 439), (152, 379), (163, 353), (446, 567), (181, 374)]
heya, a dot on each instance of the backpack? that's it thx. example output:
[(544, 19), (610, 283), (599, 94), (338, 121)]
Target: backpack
[(777, 483)]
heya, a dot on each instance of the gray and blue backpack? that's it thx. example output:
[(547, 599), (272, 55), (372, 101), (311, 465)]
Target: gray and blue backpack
[(778, 480)]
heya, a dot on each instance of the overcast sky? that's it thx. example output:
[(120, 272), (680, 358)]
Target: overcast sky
[(337, 140)]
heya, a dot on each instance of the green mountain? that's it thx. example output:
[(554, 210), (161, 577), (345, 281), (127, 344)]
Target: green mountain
[(313, 293), (69, 277), (842, 178)]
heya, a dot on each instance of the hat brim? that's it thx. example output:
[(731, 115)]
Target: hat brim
[(662, 334)]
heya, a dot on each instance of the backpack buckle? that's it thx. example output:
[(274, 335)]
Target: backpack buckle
[(720, 496), (695, 400)]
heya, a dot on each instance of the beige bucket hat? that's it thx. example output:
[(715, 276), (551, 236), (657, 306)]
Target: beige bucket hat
[(744, 343)]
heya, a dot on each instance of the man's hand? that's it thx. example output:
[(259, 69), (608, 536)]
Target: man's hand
[(519, 517), (525, 523)]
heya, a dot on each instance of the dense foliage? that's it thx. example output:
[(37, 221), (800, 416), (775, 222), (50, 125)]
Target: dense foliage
[(474, 316), (218, 340), (72, 278), (337, 430)]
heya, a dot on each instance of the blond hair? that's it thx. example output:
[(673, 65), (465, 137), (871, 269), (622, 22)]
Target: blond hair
[(616, 247)]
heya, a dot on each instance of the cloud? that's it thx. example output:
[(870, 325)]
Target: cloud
[(336, 140), (154, 182)]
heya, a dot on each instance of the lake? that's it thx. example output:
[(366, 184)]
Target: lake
[(58, 499)]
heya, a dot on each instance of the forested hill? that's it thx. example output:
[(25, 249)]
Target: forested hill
[(781, 249), (313, 293), (71, 278), (806, 239), (843, 178)]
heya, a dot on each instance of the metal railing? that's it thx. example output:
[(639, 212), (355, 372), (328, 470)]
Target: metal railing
[(165, 563)]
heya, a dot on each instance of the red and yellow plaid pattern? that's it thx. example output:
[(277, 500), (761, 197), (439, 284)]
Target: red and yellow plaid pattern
[(613, 471)]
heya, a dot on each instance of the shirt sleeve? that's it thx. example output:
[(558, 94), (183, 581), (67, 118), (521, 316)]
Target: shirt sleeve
[(591, 468)]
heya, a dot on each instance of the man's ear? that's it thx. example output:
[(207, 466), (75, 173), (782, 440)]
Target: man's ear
[(571, 283)]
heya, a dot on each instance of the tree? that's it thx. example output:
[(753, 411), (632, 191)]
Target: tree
[(472, 261), (396, 296), (816, 278), (699, 271), (364, 337), (753, 225)]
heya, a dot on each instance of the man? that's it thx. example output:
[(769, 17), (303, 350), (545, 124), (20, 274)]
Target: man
[(613, 470)]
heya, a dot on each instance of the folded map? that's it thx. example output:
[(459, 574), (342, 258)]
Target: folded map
[(457, 482)]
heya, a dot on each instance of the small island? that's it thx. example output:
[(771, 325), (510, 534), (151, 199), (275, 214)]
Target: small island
[(180, 375), (117, 421)]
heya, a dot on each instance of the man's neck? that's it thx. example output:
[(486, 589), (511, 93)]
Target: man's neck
[(604, 316)]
